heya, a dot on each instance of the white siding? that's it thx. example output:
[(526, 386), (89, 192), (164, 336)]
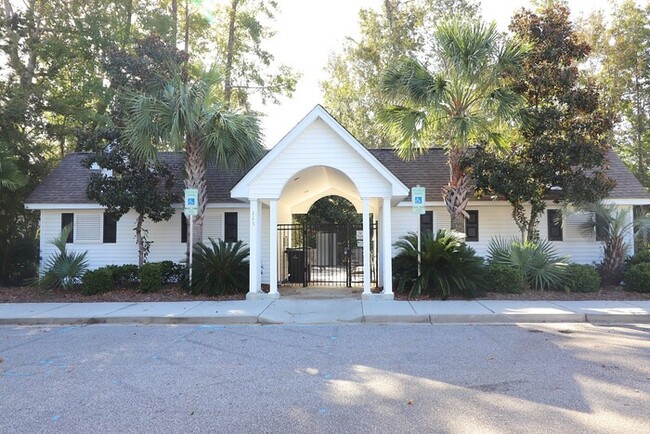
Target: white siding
[(403, 221), (495, 220), (166, 236), (319, 145), (122, 252)]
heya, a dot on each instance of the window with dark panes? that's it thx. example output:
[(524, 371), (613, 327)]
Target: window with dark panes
[(67, 219), (426, 222), (110, 229), (183, 228), (230, 227), (554, 224), (471, 226)]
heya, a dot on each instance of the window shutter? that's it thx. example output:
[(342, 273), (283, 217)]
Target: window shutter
[(88, 228), (212, 227)]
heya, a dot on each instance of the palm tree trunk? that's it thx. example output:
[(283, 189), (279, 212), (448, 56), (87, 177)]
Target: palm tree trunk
[(456, 193), (195, 171)]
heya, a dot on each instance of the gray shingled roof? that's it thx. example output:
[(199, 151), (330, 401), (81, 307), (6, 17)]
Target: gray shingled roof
[(419, 171), (67, 183)]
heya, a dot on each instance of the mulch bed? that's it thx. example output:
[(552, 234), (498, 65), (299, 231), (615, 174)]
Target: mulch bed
[(31, 294), (606, 293)]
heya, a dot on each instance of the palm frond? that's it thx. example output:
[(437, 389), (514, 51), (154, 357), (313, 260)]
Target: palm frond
[(408, 81), (406, 126), (537, 262), (10, 177), (220, 268)]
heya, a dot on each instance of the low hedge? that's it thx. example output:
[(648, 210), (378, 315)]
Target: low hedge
[(150, 277), (637, 277), (641, 257), (582, 278), (505, 279), (97, 281), (124, 275), (172, 272)]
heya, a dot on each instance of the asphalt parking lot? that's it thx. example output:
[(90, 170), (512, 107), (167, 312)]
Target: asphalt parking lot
[(320, 379)]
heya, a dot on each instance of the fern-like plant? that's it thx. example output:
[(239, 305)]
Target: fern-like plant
[(220, 268), (447, 265), (537, 262), (64, 269)]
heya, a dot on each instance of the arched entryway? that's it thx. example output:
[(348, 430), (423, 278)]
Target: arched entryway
[(324, 247), (316, 159)]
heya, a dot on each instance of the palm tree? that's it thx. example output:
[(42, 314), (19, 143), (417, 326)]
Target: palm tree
[(467, 100), (188, 115), (611, 225), (10, 176)]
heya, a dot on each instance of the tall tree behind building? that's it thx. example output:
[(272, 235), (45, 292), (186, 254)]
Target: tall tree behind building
[(621, 50), (241, 29), (399, 28)]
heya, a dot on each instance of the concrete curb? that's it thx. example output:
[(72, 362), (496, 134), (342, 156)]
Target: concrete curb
[(369, 319), (288, 312)]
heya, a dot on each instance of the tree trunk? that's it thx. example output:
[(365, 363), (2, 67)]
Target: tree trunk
[(532, 234), (195, 171), (138, 239), (127, 25), (175, 23), (232, 21), (187, 28), (15, 52), (456, 193)]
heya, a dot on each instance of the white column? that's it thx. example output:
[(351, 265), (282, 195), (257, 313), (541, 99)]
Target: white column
[(366, 246), (255, 247), (273, 246), (386, 247)]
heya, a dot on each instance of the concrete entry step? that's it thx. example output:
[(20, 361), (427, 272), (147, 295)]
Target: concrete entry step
[(320, 293)]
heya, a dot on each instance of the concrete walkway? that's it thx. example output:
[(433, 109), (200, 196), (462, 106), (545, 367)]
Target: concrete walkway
[(332, 311)]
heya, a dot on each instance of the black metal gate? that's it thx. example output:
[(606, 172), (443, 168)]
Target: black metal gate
[(326, 255)]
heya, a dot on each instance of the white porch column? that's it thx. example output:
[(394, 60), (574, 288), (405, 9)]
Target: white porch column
[(273, 246), (255, 246), (366, 246), (386, 247)]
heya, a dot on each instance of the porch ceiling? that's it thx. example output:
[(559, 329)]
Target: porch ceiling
[(313, 183)]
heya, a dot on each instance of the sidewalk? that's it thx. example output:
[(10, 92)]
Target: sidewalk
[(335, 311)]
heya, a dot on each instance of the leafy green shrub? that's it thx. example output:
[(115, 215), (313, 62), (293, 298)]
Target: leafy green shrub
[(64, 269), (582, 278), (18, 261), (220, 268), (171, 272), (150, 277), (405, 271), (637, 277), (639, 258), (447, 265), (124, 275), (97, 281), (538, 263), (506, 279)]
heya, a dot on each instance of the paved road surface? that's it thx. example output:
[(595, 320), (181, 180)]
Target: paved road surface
[(320, 379)]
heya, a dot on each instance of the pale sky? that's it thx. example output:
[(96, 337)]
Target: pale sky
[(308, 31)]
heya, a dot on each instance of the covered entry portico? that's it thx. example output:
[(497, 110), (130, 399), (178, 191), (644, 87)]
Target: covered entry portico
[(318, 158)]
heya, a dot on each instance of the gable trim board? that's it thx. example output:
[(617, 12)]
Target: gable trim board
[(316, 158)]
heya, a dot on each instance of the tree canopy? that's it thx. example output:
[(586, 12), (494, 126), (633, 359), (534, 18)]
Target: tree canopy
[(467, 99), (561, 148), (352, 91)]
